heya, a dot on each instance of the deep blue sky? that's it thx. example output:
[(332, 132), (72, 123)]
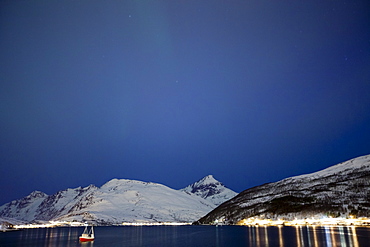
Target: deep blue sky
[(171, 91)]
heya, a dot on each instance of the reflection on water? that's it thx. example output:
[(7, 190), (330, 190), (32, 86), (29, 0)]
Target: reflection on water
[(181, 236), (304, 236), (49, 237), (281, 239)]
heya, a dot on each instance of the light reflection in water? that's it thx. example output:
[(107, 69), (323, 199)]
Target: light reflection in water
[(341, 234), (253, 236), (337, 236), (298, 237), (308, 236), (350, 239), (257, 236), (281, 239), (305, 236), (302, 236), (315, 236), (52, 237), (217, 238), (353, 231), (266, 237), (87, 244), (328, 236)]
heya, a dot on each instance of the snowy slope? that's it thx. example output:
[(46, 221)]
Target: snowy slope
[(210, 189), (122, 200), (25, 208), (341, 168), (117, 201), (40, 206), (340, 190), (63, 202)]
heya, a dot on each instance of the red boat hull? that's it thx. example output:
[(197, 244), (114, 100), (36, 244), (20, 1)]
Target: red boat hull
[(86, 239)]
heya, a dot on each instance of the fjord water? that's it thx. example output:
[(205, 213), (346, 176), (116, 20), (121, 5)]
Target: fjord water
[(300, 236)]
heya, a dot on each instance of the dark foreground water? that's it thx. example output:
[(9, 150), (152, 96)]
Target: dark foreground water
[(178, 236)]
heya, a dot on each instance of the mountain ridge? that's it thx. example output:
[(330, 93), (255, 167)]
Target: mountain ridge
[(116, 201), (339, 190)]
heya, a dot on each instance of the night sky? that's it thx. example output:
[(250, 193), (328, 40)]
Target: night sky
[(170, 91)]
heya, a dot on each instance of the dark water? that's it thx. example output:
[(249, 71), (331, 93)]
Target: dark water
[(179, 236)]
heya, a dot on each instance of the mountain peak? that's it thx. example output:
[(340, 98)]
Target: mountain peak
[(37, 194), (211, 189), (208, 180), (117, 184)]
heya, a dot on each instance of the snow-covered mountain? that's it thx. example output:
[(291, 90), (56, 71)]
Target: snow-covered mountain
[(117, 201), (40, 206), (340, 190), (210, 189)]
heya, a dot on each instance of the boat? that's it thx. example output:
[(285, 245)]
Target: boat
[(87, 235)]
